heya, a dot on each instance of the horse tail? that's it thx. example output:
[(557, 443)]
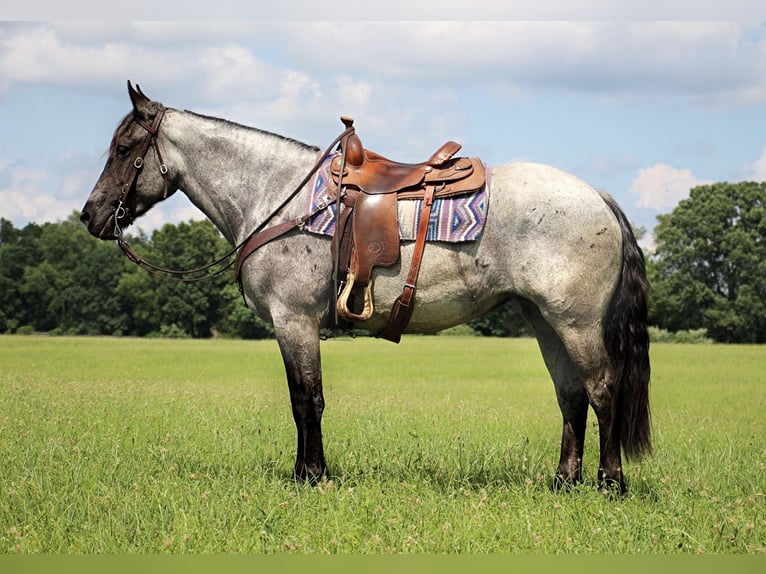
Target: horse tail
[(627, 343)]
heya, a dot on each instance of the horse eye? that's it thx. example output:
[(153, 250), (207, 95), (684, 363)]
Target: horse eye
[(122, 150)]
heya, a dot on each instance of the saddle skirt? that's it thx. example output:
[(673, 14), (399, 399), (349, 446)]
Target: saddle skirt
[(454, 219)]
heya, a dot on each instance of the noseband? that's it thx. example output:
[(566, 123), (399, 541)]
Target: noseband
[(133, 171)]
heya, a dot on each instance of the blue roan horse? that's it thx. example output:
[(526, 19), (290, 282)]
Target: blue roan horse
[(561, 249)]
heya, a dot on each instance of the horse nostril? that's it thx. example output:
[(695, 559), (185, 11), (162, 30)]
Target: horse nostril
[(84, 217)]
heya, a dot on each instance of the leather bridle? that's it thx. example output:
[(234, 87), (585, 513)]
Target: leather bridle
[(136, 167), (254, 240)]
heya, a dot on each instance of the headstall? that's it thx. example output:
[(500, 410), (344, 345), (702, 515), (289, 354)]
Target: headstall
[(151, 140), (257, 238)]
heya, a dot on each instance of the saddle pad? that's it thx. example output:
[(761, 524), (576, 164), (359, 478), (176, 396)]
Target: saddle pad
[(452, 220)]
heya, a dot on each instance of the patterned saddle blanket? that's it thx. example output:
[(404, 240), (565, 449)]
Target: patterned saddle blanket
[(452, 219)]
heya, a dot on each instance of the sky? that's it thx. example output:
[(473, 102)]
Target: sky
[(642, 104)]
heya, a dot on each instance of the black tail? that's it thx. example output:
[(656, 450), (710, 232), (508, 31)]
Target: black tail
[(627, 342)]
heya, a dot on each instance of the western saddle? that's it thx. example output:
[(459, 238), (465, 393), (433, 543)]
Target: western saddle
[(367, 231)]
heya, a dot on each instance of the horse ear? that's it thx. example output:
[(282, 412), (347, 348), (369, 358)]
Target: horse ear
[(140, 100)]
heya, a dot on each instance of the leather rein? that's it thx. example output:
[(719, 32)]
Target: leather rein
[(255, 239)]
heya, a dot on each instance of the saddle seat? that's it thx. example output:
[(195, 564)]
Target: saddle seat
[(374, 173), (367, 234)]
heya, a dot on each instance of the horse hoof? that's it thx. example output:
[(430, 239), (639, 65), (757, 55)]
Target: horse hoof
[(610, 487), (563, 483), (304, 475)]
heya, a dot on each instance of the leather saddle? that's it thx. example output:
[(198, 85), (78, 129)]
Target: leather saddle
[(367, 233)]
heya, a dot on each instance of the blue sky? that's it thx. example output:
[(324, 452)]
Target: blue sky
[(643, 107)]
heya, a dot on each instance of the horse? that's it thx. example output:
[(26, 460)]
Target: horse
[(562, 250)]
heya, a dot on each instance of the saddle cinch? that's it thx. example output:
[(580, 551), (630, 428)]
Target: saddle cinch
[(367, 232)]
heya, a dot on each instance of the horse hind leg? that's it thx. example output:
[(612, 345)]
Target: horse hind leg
[(570, 394), (577, 362), (589, 357)]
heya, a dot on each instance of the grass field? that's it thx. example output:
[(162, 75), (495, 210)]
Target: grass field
[(146, 446)]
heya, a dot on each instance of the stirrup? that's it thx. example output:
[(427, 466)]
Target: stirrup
[(342, 305)]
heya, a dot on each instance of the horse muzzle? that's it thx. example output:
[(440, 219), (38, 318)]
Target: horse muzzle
[(101, 223)]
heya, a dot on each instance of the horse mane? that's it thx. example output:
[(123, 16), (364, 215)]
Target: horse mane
[(226, 122)]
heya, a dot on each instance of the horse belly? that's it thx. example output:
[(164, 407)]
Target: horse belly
[(451, 288)]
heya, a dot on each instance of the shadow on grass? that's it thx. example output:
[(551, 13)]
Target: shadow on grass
[(442, 465)]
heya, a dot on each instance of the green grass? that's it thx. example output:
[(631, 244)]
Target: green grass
[(439, 445)]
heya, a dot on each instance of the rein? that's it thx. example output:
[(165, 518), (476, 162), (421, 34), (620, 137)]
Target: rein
[(256, 238)]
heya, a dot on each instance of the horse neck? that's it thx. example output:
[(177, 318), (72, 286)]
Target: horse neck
[(234, 174)]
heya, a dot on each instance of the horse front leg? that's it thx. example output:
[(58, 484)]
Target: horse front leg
[(300, 352)]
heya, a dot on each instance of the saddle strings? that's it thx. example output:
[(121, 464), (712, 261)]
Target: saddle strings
[(180, 274)]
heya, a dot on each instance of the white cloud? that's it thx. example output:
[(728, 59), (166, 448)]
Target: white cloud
[(704, 62), (40, 54), (231, 72), (175, 209), (39, 195), (756, 171), (661, 186), (50, 192), (394, 10), (25, 195)]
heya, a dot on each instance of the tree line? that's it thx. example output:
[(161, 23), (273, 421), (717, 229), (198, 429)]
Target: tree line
[(56, 278), (707, 272)]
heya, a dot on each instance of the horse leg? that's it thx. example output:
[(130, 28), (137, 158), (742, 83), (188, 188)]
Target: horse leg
[(586, 350), (300, 352), (576, 360), (601, 396), (570, 394)]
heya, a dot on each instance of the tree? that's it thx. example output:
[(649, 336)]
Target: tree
[(70, 288), (55, 277), (164, 306), (238, 321), (503, 321), (709, 267), (18, 250)]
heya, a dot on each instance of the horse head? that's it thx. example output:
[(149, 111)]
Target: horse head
[(135, 176)]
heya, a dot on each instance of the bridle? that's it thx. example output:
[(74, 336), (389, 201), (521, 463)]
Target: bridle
[(257, 238), (135, 168)]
